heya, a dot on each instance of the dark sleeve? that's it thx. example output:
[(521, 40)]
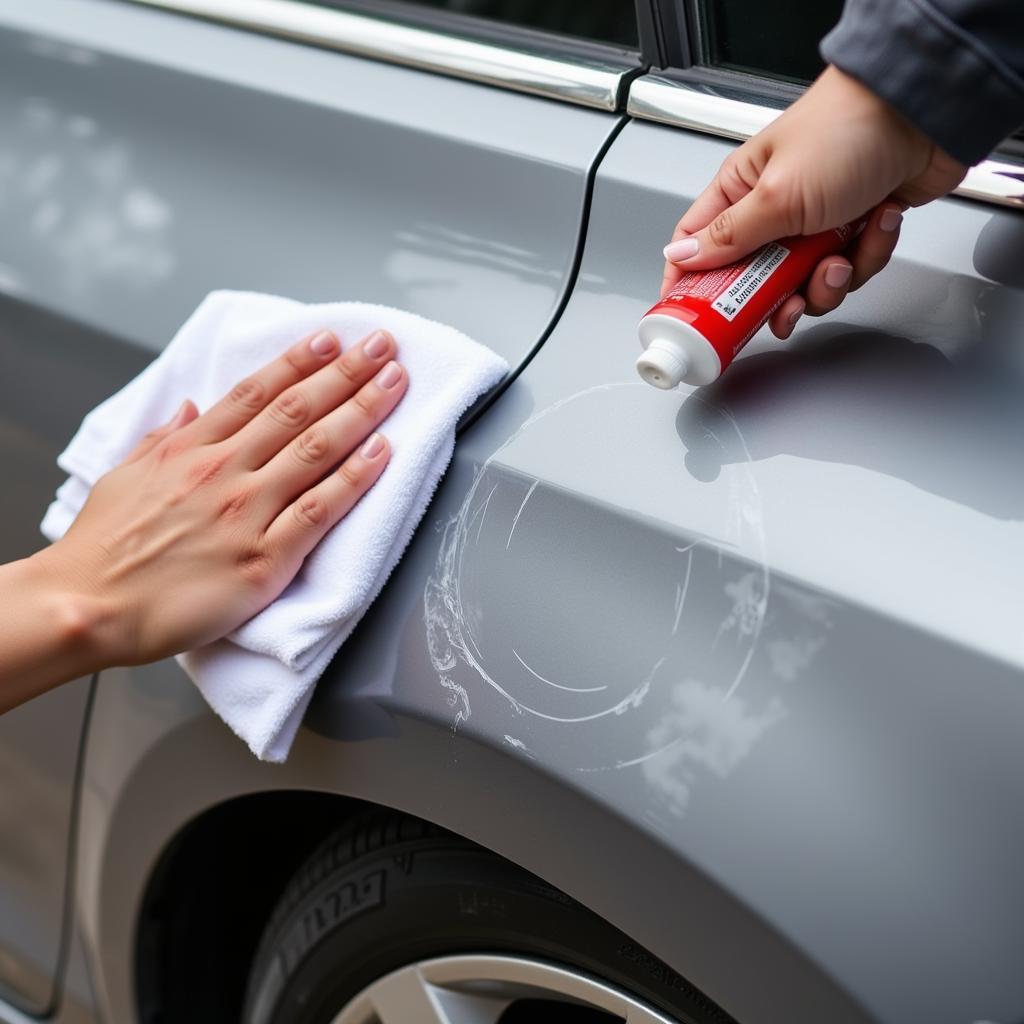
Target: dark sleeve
[(954, 68)]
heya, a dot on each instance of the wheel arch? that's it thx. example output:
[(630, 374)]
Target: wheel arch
[(211, 893), (161, 771)]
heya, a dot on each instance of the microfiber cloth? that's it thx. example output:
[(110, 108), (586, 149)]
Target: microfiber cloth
[(260, 678)]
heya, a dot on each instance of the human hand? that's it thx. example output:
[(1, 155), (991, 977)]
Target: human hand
[(838, 152), (211, 516)]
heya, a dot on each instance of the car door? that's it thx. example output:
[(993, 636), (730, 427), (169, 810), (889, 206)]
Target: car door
[(773, 624), (401, 155)]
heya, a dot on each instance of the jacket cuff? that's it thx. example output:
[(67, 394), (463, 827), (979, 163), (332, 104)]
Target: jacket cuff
[(944, 81)]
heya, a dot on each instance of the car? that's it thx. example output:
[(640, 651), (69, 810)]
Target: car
[(696, 706)]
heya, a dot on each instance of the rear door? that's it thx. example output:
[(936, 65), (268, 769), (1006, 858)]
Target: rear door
[(149, 154)]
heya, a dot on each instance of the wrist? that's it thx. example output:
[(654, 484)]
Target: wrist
[(82, 624)]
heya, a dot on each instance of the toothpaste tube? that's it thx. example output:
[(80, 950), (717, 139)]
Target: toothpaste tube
[(694, 333)]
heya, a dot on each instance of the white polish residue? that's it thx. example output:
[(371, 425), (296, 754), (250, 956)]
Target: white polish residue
[(519, 745), (458, 699), (701, 732), (789, 658)]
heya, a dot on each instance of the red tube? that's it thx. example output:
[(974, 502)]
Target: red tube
[(694, 333)]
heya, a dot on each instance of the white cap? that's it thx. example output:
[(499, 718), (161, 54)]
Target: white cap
[(675, 353), (663, 364)]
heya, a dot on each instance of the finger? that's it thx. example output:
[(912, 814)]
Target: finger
[(735, 232), (670, 274), (735, 179), (828, 285), (303, 523), (785, 318), (876, 244), (302, 404), (254, 393), (186, 413), (334, 437)]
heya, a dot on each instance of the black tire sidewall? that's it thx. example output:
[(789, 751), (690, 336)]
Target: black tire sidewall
[(439, 896)]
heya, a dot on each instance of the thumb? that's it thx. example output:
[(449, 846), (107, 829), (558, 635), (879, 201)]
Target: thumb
[(735, 232), (186, 413)]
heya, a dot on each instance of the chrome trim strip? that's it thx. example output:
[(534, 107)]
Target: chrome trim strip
[(589, 84), (653, 98)]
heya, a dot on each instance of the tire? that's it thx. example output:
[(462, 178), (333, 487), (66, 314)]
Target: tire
[(388, 890)]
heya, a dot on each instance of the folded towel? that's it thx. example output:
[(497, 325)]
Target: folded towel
[(260, 679)]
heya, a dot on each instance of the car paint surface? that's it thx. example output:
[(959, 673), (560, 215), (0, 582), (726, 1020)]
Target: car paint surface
[(739, 668), (140, 169)]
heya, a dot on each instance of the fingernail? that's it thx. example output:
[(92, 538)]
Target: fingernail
[(838, 274), (179, 416), (377, 344), (324, 344), (389, 376), (890, 219), (684, 249), (372, 447), (796, 314)]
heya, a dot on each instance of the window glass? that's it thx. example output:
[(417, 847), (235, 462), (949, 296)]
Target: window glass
[(778, 38), (607, 21), (604, 21)]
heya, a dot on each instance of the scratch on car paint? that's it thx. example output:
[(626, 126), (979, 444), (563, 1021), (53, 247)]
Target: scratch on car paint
[(520, 746), (751, 596), (449, 637), (515, 522), (681, 590), (633, 699), (557, 686), (483, 512), (670, 742)]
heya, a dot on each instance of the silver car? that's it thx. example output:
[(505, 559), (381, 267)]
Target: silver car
[(699, 706)]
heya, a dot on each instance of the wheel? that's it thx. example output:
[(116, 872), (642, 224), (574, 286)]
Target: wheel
[(395, 921)]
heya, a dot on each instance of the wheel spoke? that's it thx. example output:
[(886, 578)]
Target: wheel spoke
[(477, 989), (405, 996)]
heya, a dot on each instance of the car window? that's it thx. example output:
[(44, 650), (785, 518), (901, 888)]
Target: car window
[(603, 21), (777, 38)]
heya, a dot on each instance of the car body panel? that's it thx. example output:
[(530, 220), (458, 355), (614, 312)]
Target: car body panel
[(145, 169), (139, 169)]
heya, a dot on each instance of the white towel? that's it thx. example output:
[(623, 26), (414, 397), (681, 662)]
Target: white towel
[(260, 679)]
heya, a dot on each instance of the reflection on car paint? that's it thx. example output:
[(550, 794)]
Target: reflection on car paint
[(73, 197)]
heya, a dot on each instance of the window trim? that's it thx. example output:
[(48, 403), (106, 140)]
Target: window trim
[(590, 81), (682, 104), (494, 30)]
